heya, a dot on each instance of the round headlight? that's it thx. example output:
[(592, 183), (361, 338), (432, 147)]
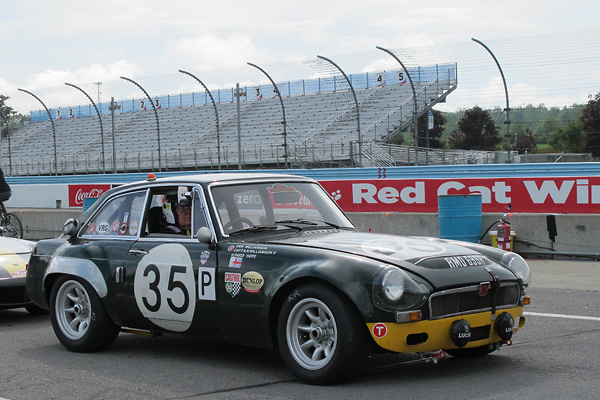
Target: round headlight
[(395, 290), (393, 285), (518, 266)]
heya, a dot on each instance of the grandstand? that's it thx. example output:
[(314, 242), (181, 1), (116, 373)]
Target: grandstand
[(321, 125)]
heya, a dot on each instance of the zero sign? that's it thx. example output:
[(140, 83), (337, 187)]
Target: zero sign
[(164, 287)]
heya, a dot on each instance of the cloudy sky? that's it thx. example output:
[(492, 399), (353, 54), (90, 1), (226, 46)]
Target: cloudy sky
[(48, 43)]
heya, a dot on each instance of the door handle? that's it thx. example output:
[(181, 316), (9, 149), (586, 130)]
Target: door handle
[(138, 252)]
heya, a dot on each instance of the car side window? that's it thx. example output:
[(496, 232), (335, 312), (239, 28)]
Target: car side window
[(119, 217)]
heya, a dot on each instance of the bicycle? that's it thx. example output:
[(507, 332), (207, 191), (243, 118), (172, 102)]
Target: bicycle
[(10, 224)]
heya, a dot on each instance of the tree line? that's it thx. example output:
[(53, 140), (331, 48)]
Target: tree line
[(574, 129)]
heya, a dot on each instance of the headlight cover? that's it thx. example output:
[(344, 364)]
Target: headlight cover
[(395, 290), (518, 266)]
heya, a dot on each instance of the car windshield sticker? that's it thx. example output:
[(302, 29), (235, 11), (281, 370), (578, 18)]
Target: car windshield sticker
[(92, 228), (164, 287), (232, 283), (123, 229), (252, 282), (206, 284), (103, 228), (125, 217), (133, 228), (115, 226)]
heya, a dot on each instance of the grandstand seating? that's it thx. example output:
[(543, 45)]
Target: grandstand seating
[(321, 131)]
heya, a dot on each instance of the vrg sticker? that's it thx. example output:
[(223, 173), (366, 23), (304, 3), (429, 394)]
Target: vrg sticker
[(164, 287)]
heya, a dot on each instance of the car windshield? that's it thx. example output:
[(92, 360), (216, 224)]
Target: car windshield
[(268, 206)]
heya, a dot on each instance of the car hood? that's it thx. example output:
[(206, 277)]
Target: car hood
[(14, 256), (442, 263)]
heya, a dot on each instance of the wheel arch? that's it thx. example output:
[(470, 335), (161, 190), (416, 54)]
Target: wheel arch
[(79, 268), (288, 287)]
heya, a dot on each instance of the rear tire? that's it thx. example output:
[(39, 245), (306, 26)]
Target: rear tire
[(321, 337), (78, 317)]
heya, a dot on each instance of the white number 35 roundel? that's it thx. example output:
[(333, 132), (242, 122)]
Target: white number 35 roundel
[(164, 287)]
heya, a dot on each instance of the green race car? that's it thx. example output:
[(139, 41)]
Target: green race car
[(270, 260)]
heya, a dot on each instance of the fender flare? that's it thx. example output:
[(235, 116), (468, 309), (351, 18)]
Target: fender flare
[(84, 269)]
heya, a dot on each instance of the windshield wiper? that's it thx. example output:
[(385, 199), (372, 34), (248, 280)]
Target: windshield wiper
[(257, 228), (300, 221)]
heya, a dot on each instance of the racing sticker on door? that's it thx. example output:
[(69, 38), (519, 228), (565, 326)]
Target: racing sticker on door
[(164, 287)]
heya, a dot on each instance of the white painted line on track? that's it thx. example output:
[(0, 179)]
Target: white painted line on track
[(562, 316)]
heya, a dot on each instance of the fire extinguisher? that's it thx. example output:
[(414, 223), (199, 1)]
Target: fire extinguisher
[(503, 230)]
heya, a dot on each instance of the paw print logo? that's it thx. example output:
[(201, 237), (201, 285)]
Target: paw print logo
[(336, 195)]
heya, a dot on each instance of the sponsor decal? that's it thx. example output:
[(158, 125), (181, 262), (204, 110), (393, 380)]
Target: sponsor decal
[(103, 228), (125, 217), (231, 248), (123, 229), (92, 228), (19, 274), (133, 228), (204, 257), (235, 262), (252, 282), (379, 330), (115, 226), (233, 282), (78, 192), (579, 195)]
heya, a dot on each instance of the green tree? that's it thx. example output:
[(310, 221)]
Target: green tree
[(525, 141), (477, 131), (435, 134), (567, 138), (590, 124)]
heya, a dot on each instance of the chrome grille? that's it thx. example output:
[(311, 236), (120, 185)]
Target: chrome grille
[(466, 300)]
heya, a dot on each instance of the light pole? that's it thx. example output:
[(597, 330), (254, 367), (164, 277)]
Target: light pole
[(99, 119), (216, 113), (239, 93), (355, 102), (53, 129), (416, 108), (285, 151), (113, 107), (155, 115), (507, 109)]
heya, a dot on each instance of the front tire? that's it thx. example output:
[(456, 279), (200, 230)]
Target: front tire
[(78, 317), (321, 337)]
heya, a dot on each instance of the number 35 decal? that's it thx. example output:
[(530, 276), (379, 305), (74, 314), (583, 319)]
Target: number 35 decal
[(164, 287)]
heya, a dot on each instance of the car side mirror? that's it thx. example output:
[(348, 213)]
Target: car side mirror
[(70, 227), (204, 235)]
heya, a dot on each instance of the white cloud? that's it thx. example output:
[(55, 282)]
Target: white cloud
[(92, 73)]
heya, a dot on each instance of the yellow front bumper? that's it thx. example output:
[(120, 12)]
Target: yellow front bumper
[(432, 335)]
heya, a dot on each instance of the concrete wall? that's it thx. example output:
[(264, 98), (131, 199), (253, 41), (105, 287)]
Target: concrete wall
[(575, 233)]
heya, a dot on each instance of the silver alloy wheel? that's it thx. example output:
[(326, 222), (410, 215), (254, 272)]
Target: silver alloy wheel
[(311, 334), (73, 310)]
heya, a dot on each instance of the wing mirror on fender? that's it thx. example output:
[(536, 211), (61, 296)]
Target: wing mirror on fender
[(70, 227)]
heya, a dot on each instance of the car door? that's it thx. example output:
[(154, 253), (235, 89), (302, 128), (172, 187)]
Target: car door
[(169, 278)]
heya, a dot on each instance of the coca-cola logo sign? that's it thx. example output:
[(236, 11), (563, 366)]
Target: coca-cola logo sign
[(79, 192)]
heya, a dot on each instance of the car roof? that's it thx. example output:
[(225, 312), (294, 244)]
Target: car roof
[(218, 177)]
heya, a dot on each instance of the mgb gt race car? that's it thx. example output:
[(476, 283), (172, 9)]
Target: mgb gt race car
[(270, 260)]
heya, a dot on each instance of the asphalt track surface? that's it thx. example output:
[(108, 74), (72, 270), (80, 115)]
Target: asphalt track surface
[(555, 356)]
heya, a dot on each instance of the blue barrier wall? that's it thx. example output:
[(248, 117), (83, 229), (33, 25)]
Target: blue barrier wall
[(432, 172)]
